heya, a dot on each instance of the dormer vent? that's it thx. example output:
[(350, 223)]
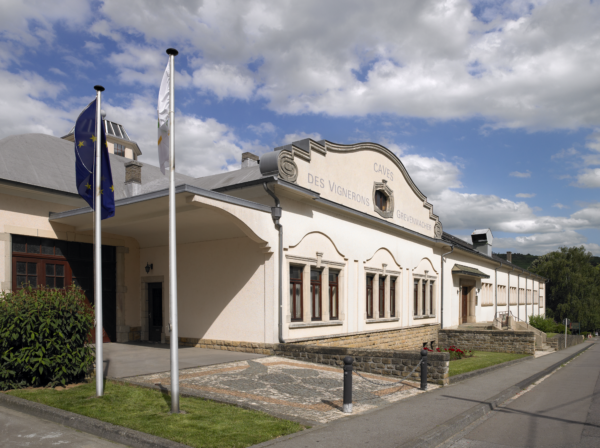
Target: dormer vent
[(482, 240)]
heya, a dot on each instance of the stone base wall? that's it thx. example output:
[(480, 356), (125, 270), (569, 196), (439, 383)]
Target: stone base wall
[(135, 333), (401, 339), (504, 341), (381, 362), (232, 346), (558, 341)]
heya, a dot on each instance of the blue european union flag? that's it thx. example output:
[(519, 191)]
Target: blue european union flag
[(85, 172)]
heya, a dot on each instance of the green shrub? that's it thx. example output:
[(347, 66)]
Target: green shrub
[(43, 336), (547, 325)]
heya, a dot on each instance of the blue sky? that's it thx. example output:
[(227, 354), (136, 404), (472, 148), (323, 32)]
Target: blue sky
[(493, 106)]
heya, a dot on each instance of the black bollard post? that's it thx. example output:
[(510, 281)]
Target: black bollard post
[(348, 360), (423, 369)]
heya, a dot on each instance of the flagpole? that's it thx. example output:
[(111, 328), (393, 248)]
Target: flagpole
[(173, 327), (98, 247)]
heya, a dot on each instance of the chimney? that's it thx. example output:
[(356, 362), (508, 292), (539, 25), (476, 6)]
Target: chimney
[(482, 240), (249, 159), (133, 178), (509, 257)]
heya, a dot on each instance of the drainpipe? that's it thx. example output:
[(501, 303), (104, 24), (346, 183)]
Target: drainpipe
[(508, 298), (519, 296), (442, 290), (276, 215), (496, 299)]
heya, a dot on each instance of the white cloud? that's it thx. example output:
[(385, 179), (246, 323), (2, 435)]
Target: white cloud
[(519, 174), (525, 195), (93, 47), (588, 178), (564, 153), (224, 81), (432, 176), (294, 137), (540, 244), (560, 206), (204, 146), (57, 71), (263, 128)]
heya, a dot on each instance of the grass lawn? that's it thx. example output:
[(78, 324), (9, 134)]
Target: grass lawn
[(205, 424), (480, 360), (549, 335)]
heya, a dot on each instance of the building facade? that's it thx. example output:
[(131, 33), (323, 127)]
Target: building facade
[(310, 243)]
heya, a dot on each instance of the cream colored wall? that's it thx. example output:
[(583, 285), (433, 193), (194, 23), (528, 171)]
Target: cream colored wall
[(363, 247), (348, 178), (221, 289)]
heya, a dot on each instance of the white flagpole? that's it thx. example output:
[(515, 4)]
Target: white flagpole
[(173, 242), (98, 247)]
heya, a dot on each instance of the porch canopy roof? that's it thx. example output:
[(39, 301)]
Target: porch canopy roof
[(202, 215), (459, 269)]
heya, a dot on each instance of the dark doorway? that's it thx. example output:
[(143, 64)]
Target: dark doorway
[(155, 315), (465, 303)]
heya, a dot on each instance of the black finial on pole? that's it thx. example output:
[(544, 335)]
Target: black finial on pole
[(99, 88), (172, 51)]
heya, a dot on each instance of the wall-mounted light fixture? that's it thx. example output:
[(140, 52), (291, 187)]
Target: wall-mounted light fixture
[(149, 267)]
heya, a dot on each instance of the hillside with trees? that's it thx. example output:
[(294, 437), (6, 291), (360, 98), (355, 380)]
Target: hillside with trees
[(525, 261), (573, 289)]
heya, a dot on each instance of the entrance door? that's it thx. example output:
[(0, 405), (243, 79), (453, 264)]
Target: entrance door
[(155, 317), (465, 304)]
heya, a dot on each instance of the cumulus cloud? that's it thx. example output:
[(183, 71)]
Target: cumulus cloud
[(93, 47), (57, 71), (588, 178), (525, 195), (560, 206), (519, 174), (294, 137), (564, 153), (431, 175), (263, 128), (224, 81)]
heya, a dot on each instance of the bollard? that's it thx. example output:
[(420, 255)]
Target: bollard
[(348, 360), (423, 369)]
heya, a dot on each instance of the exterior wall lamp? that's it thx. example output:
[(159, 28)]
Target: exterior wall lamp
[(149, 267)]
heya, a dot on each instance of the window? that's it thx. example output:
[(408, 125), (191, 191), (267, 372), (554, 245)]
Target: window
[(119, 150), (381, 200), (296, 293), (381, 297), (501, 295), (315, 294), (416, 293), (392, 296), (528, 302), (521, 297), (535, 297), (334, 291), (369, 297), (487, 294), (27, 274), (431, 308)]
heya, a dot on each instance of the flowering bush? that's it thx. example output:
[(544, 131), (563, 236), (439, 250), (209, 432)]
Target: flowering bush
[(453, 351)]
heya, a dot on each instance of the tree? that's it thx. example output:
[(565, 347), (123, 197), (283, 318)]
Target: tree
[(573, 289)]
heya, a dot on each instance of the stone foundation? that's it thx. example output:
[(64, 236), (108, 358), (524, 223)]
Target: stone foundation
[(412, 338), (504, 341), (135, 333), (381, 362), (558, 341), (232, 346)]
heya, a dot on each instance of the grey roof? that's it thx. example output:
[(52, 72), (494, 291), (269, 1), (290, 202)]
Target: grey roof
[(223, 180), (45, 161), (111, 128), (466, 270)]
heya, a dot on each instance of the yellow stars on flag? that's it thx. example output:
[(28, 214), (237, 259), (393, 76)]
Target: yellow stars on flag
[(112, 188), (81, 143), (88, 186), (93, 137), (160, 140)]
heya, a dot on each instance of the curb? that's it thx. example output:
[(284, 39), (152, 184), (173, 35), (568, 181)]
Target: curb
[(457, 424), (108, 431), (465, 376)]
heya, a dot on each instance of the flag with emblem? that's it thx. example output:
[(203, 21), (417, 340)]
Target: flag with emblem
[(85, 145), (164, 98)]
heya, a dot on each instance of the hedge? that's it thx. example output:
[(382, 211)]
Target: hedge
[(43, 337)]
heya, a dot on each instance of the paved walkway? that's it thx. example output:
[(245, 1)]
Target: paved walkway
[(123, 360), (19, 430), (561, 411), (294, 390), (399, 423)]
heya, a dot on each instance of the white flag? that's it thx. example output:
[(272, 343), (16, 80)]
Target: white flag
[(164, 100)]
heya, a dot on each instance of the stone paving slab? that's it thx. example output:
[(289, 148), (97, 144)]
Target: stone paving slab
[(296, 390)]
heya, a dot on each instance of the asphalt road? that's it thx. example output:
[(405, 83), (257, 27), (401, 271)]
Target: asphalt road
[(22, 430), (561, 411)]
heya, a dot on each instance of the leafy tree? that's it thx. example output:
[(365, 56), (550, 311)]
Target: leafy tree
[(573, 290)]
